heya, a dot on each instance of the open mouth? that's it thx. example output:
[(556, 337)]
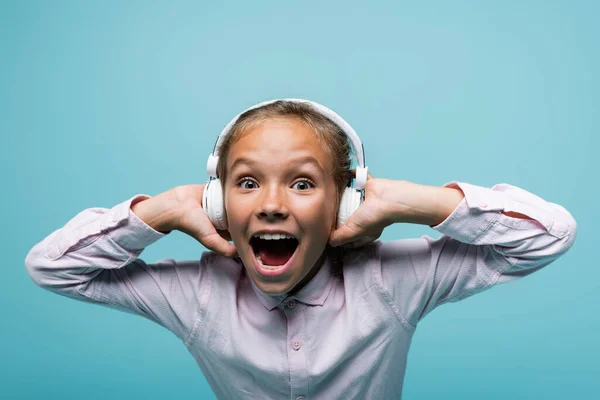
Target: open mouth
[(273, 250)]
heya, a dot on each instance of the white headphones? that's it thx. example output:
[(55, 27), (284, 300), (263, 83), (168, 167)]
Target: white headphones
[(212, 199)]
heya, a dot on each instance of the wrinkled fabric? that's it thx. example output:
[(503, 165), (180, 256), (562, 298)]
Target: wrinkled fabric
[(345, 335)]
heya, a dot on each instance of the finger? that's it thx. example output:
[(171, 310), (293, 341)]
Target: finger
[(217, 244), (353, 173), (197, 225), (345, 234)]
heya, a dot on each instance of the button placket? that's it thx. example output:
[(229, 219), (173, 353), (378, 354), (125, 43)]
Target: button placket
[(297, 355)]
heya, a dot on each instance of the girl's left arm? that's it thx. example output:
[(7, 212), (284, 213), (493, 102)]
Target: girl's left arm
[(490, 236), (394, 201)]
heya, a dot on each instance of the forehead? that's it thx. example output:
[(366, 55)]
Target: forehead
[(277, 142)]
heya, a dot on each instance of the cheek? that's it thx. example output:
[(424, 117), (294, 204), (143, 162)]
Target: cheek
[(316, 215), (235, 213)]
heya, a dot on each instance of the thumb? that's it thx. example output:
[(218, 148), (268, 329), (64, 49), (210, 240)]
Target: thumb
[(214, 242), (346, 233), (195, 223)]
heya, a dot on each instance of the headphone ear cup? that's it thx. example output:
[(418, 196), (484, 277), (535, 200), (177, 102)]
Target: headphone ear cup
[(212, 203), (351, 200)]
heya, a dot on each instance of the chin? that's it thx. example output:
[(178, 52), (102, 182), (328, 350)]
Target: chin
[(273, 288)]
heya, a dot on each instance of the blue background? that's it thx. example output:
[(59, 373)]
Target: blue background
[(100, 100)]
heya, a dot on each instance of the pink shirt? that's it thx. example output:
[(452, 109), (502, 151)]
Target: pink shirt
[(345, 335)]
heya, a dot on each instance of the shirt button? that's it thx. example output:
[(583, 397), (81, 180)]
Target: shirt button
[(300, 398), (297, 345), (291, 304)]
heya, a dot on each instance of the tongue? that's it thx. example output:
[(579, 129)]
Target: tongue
[(274, 252), (273, 259)]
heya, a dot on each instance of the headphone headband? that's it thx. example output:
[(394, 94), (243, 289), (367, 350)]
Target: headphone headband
[(361, 170)]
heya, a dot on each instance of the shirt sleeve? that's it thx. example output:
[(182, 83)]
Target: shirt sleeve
[(479, 247), (95, 258)]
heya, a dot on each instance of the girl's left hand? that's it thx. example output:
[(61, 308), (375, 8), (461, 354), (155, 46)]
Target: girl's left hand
[(366, 224)]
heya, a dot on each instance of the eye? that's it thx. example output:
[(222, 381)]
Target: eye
[(303, 185), (247, 183)]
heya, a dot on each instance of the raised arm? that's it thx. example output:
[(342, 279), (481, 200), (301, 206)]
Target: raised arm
[(490, 236), (95, 258)]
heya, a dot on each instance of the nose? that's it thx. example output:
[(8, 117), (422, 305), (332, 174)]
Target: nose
[(273, 205)]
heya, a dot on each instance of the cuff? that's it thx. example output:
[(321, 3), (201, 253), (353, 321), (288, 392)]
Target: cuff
[(481, 208), (471, 218), (133, 234)]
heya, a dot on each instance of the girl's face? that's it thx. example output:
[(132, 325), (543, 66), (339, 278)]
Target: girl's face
[(280, 179)]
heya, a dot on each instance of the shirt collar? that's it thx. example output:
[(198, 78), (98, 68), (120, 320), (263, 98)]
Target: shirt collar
[(314, 293)]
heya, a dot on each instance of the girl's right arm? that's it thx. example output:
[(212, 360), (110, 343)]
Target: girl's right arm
[(95, 258)]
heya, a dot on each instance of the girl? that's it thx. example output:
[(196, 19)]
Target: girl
[(305, 304)]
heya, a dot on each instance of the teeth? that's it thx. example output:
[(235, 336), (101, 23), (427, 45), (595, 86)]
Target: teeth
[(273, 236)]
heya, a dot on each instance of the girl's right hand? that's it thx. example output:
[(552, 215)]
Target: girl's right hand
[(192, 220)]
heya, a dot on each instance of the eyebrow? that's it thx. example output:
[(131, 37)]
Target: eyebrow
[(300, 160)]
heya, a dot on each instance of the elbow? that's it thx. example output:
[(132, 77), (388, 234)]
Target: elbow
[(32, 267), (36, 268), (567, 240), (572, 235)]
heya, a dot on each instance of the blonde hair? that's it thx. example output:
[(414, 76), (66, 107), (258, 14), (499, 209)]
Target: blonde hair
[(329, 134)]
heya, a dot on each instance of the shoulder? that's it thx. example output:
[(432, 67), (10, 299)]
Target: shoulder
[(382, 251), (359, 265), (393, 250), (210, 266), (221, 267), (374, 262)]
